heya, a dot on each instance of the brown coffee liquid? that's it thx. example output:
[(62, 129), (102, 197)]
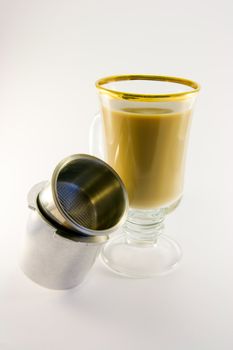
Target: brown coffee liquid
[(147, 148)]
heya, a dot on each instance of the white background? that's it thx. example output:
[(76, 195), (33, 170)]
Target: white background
[(51, 54)]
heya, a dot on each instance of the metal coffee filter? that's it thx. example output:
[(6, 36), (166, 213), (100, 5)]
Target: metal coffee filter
[(85, 195)]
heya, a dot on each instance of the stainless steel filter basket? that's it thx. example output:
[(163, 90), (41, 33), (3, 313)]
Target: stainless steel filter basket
[(52, 256), (85, 195)]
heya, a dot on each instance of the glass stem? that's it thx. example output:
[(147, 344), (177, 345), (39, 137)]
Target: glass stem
[(143, 227)]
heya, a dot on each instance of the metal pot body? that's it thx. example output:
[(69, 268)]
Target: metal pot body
[(53, 258)]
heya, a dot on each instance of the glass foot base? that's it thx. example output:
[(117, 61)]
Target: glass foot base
[(137, 260)]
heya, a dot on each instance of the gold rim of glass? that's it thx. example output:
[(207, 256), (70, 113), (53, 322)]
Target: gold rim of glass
[(147, 97)]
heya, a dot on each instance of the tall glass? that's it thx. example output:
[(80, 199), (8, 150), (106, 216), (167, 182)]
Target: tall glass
[(146, 121)]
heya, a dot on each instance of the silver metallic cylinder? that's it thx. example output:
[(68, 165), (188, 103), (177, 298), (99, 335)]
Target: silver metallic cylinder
[(86, 195), (53, 257)]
